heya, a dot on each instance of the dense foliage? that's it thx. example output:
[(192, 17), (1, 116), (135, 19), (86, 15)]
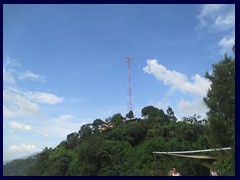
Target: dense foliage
[(221, 102), (127, 148)]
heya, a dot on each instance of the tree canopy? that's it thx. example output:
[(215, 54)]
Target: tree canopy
[(221, 102)]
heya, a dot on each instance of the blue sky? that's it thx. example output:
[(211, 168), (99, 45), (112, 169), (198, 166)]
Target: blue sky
[(64, 65)]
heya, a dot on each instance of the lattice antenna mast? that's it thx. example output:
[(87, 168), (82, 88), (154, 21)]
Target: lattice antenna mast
[(130, 102)]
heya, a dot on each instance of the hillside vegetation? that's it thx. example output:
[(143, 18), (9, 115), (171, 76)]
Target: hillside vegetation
[(126, 149)]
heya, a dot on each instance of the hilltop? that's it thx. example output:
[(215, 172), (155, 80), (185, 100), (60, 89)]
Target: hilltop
[(125, 148)]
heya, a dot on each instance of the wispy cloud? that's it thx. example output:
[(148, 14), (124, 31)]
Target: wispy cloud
[(227, 43), (7, 76), (178, 81), (216, 18), (20, 126), (8, 112), (31, 76), (22, 105), (23, 147), (16, 105), (59, 126), (210, 8), (10, 74), (225, 22), (20, 102), (9, 70), (47, 98)]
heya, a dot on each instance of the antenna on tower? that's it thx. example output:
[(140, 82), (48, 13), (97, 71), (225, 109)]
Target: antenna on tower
[(129, 102)]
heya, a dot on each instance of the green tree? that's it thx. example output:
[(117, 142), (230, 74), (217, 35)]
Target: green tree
[(72, 140), (151, 112), (221, 102), (136, 132), (170, 114), (117, 119), (96, 123), (130, 114), (85, 131)]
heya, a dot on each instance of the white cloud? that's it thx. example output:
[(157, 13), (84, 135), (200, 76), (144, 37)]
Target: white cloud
[(8, 113), (163, 104), (47, 98), (23, 147), (20, 126), (25, 105), (61, 131), (9, 71), (8, 76), (58, 127), (16, 105), (210, 8), (176, 80), (223, 22), (227, 43), (27, 75), (64, 117), (32, 76), (196, 89), (22, 103), (186, 108), (216, 17), (18, 151), (208, 14)]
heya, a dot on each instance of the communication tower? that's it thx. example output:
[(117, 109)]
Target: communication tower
[(129, 102)]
